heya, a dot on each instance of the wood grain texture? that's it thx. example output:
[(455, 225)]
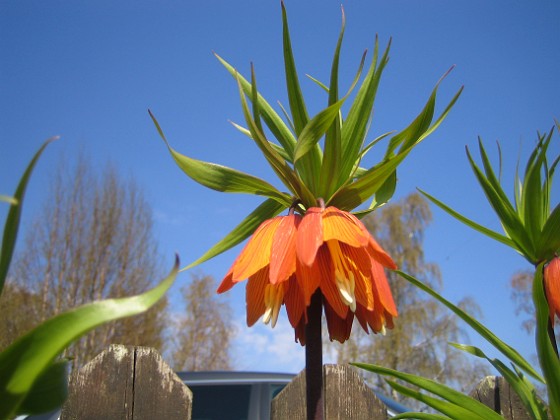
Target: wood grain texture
[(496, 393), (346, 397), (127, 383)]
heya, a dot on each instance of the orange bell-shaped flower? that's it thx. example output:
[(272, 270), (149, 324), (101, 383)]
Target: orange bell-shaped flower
[(289, 257), (552, 287)]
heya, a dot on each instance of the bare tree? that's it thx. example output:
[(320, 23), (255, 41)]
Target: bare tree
[(205, 330), (419, 341), (92, 239)]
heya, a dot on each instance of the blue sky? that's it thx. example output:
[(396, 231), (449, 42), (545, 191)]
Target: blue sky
[(88, 71)]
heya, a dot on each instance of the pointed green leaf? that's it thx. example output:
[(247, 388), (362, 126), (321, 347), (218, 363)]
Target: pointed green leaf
[(420, 416), (524, 389), (386, 191), (286, 174), (491, 177), (242, 231), (23, 361), (453, 399), (279, 149), (548, 359), (49, 391), (453, 411), (222, 178), (355, 126), (255, 100), (318, 83), (310, 165), (484, 332), (315, 129), (507, 215), (7, 199), (352, 195), (549, 241), (12, 221), (533, 197), (273, 121), (490, 233), (295, 97), (332, 147)]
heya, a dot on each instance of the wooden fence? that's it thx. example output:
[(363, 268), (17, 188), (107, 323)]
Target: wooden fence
[(135, 383)]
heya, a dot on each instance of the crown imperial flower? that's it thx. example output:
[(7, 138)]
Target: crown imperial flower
[(317, 159), (289, 258), (552, 287)]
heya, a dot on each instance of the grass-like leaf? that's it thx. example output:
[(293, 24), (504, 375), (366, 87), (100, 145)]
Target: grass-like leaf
[(49, 391), (27, 358), (484, 230), (509, 218), (548, 359), (315, 129), (221, 178), (549, 241), (355, 127), (456, 404), (273, 121), (242, 231), (284, 171), (484, 332), (518, 382), (14, 214)]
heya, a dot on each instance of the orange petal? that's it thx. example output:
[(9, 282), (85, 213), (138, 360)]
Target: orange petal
[(379, 254), (309, 236), (300, 331), (381, 288), (342, 226), (256, 253), (309, 278), (254, 296), (339, 328), (360, 262), (361, 316), (552, 287), (328, 284), (226, 283), (293, 298), (283, 253)]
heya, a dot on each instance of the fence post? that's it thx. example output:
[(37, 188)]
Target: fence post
[(346, 397), (126, 382), (496, 393)]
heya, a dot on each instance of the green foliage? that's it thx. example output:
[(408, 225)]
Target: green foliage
[(308, 172), (532, 228)]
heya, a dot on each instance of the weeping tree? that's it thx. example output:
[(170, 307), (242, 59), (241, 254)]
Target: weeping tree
[(91, 239), (418, 343)]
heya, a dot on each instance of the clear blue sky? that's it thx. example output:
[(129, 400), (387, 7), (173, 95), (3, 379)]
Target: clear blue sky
[(88, 71)]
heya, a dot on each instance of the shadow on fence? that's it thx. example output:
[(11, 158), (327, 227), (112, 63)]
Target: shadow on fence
[(135, 383)]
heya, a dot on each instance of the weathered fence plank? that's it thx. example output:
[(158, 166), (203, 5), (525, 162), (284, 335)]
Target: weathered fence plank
[(346, 397), (126, 383), (496, 393)]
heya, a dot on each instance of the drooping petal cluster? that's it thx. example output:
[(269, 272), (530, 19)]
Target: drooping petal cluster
[(552, 287), (289, 258)]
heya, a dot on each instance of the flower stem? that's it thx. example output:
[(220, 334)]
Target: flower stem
[(314, 358), (552, 337)]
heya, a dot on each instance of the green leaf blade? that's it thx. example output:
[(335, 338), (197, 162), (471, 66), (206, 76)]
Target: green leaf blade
[(484, 332), (23, 361), (11, 226), (242, 231)]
